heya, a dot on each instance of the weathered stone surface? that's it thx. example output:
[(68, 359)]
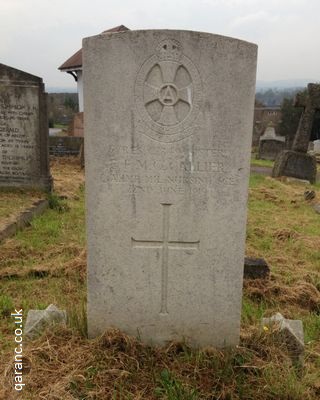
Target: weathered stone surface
[(255, 268), (316, 146), (65, 145), (23, 130), (270, 145), (270, 148), (168, 120), (297, 165), (38, 320), (290, 332), (270, 133), (310, 103)]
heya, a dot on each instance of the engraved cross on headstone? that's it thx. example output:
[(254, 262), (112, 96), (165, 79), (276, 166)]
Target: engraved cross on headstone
[(165, 244)]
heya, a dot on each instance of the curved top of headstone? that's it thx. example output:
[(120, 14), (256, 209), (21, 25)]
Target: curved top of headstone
[(270, 134), (12, 74), (170, 72), (173, 32)]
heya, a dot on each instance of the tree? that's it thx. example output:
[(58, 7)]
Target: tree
[(70, 103), (290, 120), (258, 103)]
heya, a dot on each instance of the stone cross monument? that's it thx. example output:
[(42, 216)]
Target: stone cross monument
[(168, 123), (296, 162)]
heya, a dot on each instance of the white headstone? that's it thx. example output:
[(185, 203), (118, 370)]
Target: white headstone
[(316, 146), (168, 124), (270, 134)]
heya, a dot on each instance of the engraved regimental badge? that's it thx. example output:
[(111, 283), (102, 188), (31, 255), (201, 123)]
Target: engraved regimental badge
[(168, 93)]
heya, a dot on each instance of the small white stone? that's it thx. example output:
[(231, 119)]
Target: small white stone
[(291, 331), (38, 320)]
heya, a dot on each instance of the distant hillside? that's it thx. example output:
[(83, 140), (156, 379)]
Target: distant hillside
[(274, 97), (52, 89), (284, 84)]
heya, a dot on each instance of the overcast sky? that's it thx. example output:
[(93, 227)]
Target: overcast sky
[(39, 35)]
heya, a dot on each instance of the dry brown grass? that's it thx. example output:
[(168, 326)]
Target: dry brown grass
[(302, 294), (12, 203), (77, 265), (68, 175), (62, 365)]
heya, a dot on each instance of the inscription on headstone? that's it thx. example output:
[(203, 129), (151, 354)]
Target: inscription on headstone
[(167, 139), (23, 130)]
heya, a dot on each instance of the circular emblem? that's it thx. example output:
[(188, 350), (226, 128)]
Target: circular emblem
[(168, 93)]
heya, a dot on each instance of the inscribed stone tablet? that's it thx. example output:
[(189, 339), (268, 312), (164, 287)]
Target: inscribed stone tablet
[(168, 122), (23, 131)]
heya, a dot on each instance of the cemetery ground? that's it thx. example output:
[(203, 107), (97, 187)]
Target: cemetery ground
[(46, 263)]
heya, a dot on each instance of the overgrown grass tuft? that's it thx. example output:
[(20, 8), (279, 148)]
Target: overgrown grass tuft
[(172, 389)]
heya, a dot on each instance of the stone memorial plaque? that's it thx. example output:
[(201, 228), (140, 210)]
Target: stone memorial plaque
[(168, 125), (23, 131)]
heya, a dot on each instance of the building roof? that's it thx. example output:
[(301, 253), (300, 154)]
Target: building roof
[(75, 61)]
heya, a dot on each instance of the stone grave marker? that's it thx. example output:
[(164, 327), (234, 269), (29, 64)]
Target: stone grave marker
[(270, 144), (23, 131), (65, 145), (316, 146), (296, 162), (168, 127)]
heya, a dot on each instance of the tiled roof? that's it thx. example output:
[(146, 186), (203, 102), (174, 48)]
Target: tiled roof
[(75, 61), (120, 28)]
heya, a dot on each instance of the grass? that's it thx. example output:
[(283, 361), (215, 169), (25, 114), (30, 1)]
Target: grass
[(60, 126), (46, 263), (261, 163), (12, 202)]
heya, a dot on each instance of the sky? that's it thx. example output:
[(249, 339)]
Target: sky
[(37, 36)]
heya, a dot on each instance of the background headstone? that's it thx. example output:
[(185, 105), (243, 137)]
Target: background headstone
[(255, 268), (270, 144), (168, 123), (23, 131), (297, 165), (296, 162), (316, 146), (65, 145), (270, 133)]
